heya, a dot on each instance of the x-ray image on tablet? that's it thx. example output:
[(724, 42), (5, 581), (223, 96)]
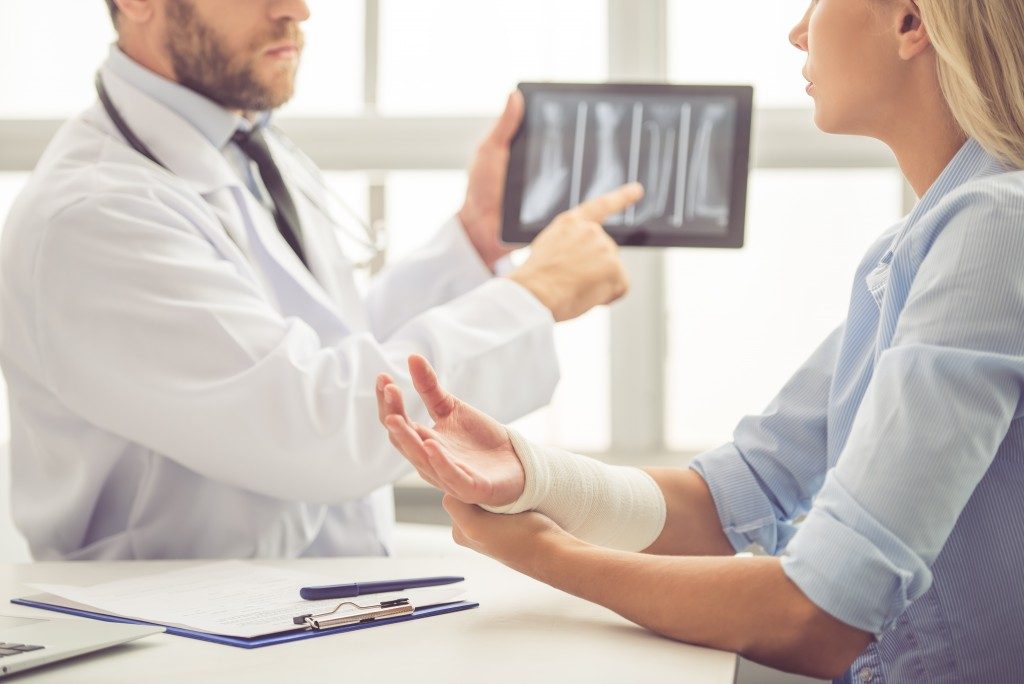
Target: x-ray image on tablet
[(688, 145)]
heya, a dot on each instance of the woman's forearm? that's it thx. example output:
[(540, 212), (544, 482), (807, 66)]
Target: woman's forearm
[(744, 605), (692, 527)]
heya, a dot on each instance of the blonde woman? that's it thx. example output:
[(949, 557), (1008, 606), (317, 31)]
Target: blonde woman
[(901, 438)]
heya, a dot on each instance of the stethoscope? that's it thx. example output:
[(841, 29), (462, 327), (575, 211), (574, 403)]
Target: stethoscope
[(372, 236)]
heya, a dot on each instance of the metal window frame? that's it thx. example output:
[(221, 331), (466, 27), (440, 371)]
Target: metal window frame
[(637, 50)]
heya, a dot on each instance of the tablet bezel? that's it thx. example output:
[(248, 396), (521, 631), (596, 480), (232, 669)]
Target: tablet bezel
[(513, 232)]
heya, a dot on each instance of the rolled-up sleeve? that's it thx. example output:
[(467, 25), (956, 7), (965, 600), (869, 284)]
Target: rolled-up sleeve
[(768, 474), (940, 403)]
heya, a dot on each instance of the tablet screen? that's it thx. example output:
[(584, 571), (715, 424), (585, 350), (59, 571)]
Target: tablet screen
[(688, 145)]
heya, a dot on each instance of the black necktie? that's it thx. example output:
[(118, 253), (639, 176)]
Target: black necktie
[(255, 146)]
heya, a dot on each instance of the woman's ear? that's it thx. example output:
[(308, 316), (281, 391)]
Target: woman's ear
[(911, 33)]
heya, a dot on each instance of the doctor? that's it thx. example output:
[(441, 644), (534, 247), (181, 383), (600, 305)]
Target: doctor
[(190, 364)]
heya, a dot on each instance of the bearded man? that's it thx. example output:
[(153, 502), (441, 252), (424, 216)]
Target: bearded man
[(191, 366)]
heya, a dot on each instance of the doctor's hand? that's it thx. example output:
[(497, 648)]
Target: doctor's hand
[(467, 454), (574, 264), (481, 213)]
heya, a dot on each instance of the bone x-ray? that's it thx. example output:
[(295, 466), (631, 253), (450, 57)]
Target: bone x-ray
[(688, 146)]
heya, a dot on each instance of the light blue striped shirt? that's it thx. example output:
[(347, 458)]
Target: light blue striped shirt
[(902, 440)]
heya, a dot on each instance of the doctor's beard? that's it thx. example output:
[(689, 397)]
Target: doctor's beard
[(202, 65)]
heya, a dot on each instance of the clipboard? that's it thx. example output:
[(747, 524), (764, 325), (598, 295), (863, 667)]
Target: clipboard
[(260, 641)]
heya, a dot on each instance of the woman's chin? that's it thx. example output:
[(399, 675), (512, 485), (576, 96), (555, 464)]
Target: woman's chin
[(826, 123)]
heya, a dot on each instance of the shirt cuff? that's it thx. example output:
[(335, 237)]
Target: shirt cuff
[(520, 301), (504, 266), (851, 566), (746, 513)]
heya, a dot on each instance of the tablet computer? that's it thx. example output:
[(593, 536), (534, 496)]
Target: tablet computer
[(688, 145)]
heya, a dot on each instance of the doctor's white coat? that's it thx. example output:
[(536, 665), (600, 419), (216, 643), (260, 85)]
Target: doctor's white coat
[(180, 386)]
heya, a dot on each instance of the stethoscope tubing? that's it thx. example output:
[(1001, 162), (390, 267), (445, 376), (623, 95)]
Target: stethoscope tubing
[(374, 238)]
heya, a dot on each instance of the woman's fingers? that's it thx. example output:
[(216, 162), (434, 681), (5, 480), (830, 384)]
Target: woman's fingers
[(462, 471), (428, 477), (389, 398), (431, 462), (455, 478), (466, 519), (411, 446), (439, 403), (393, 402), (383, 380)]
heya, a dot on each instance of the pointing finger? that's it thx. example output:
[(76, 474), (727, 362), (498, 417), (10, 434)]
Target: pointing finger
[(615, 202)]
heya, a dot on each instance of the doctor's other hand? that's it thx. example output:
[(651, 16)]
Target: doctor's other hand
[(480, 215), (574, 264), (467, 454)]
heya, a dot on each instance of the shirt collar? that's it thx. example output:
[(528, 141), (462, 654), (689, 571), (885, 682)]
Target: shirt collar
[(214, 122), (971, 161)]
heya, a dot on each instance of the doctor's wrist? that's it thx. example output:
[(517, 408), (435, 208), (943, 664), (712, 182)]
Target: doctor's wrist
[(483, 238), (543, 289)]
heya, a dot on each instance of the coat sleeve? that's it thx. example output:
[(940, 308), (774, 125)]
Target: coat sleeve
[(446, 267), (146, 332)]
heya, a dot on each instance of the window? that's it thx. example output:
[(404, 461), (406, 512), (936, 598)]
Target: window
[(348, 199), (465, 56), (330, 82), (418, 203), (54, 86), (741, 322), (578, 417), (38, 78), (352, 189), (739, 42)]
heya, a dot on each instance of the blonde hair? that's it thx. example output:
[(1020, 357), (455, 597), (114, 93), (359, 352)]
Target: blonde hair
[(980, 48)]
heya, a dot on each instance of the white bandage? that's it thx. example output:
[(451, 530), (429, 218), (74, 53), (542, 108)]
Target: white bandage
[(614, 506)]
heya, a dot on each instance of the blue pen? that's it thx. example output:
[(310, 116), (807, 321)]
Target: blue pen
[(331, 591)]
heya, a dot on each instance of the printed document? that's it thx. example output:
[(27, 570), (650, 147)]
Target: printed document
[(232, 598)]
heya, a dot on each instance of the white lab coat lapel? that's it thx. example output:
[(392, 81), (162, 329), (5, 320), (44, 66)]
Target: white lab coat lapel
[(244, 231), (189, 156), (333, 269), (298, 292), (225, 204)]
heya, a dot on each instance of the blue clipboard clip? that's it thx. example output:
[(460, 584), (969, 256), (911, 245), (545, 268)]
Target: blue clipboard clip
[(376, 611)]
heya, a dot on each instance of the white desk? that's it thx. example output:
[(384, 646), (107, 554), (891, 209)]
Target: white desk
[(523, 631)]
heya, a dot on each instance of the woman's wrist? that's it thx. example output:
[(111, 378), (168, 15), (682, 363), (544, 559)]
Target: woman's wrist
[(553, 554), (527, 500)]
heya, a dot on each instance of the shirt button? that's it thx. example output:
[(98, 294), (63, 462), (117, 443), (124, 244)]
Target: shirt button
[(866, 675)]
